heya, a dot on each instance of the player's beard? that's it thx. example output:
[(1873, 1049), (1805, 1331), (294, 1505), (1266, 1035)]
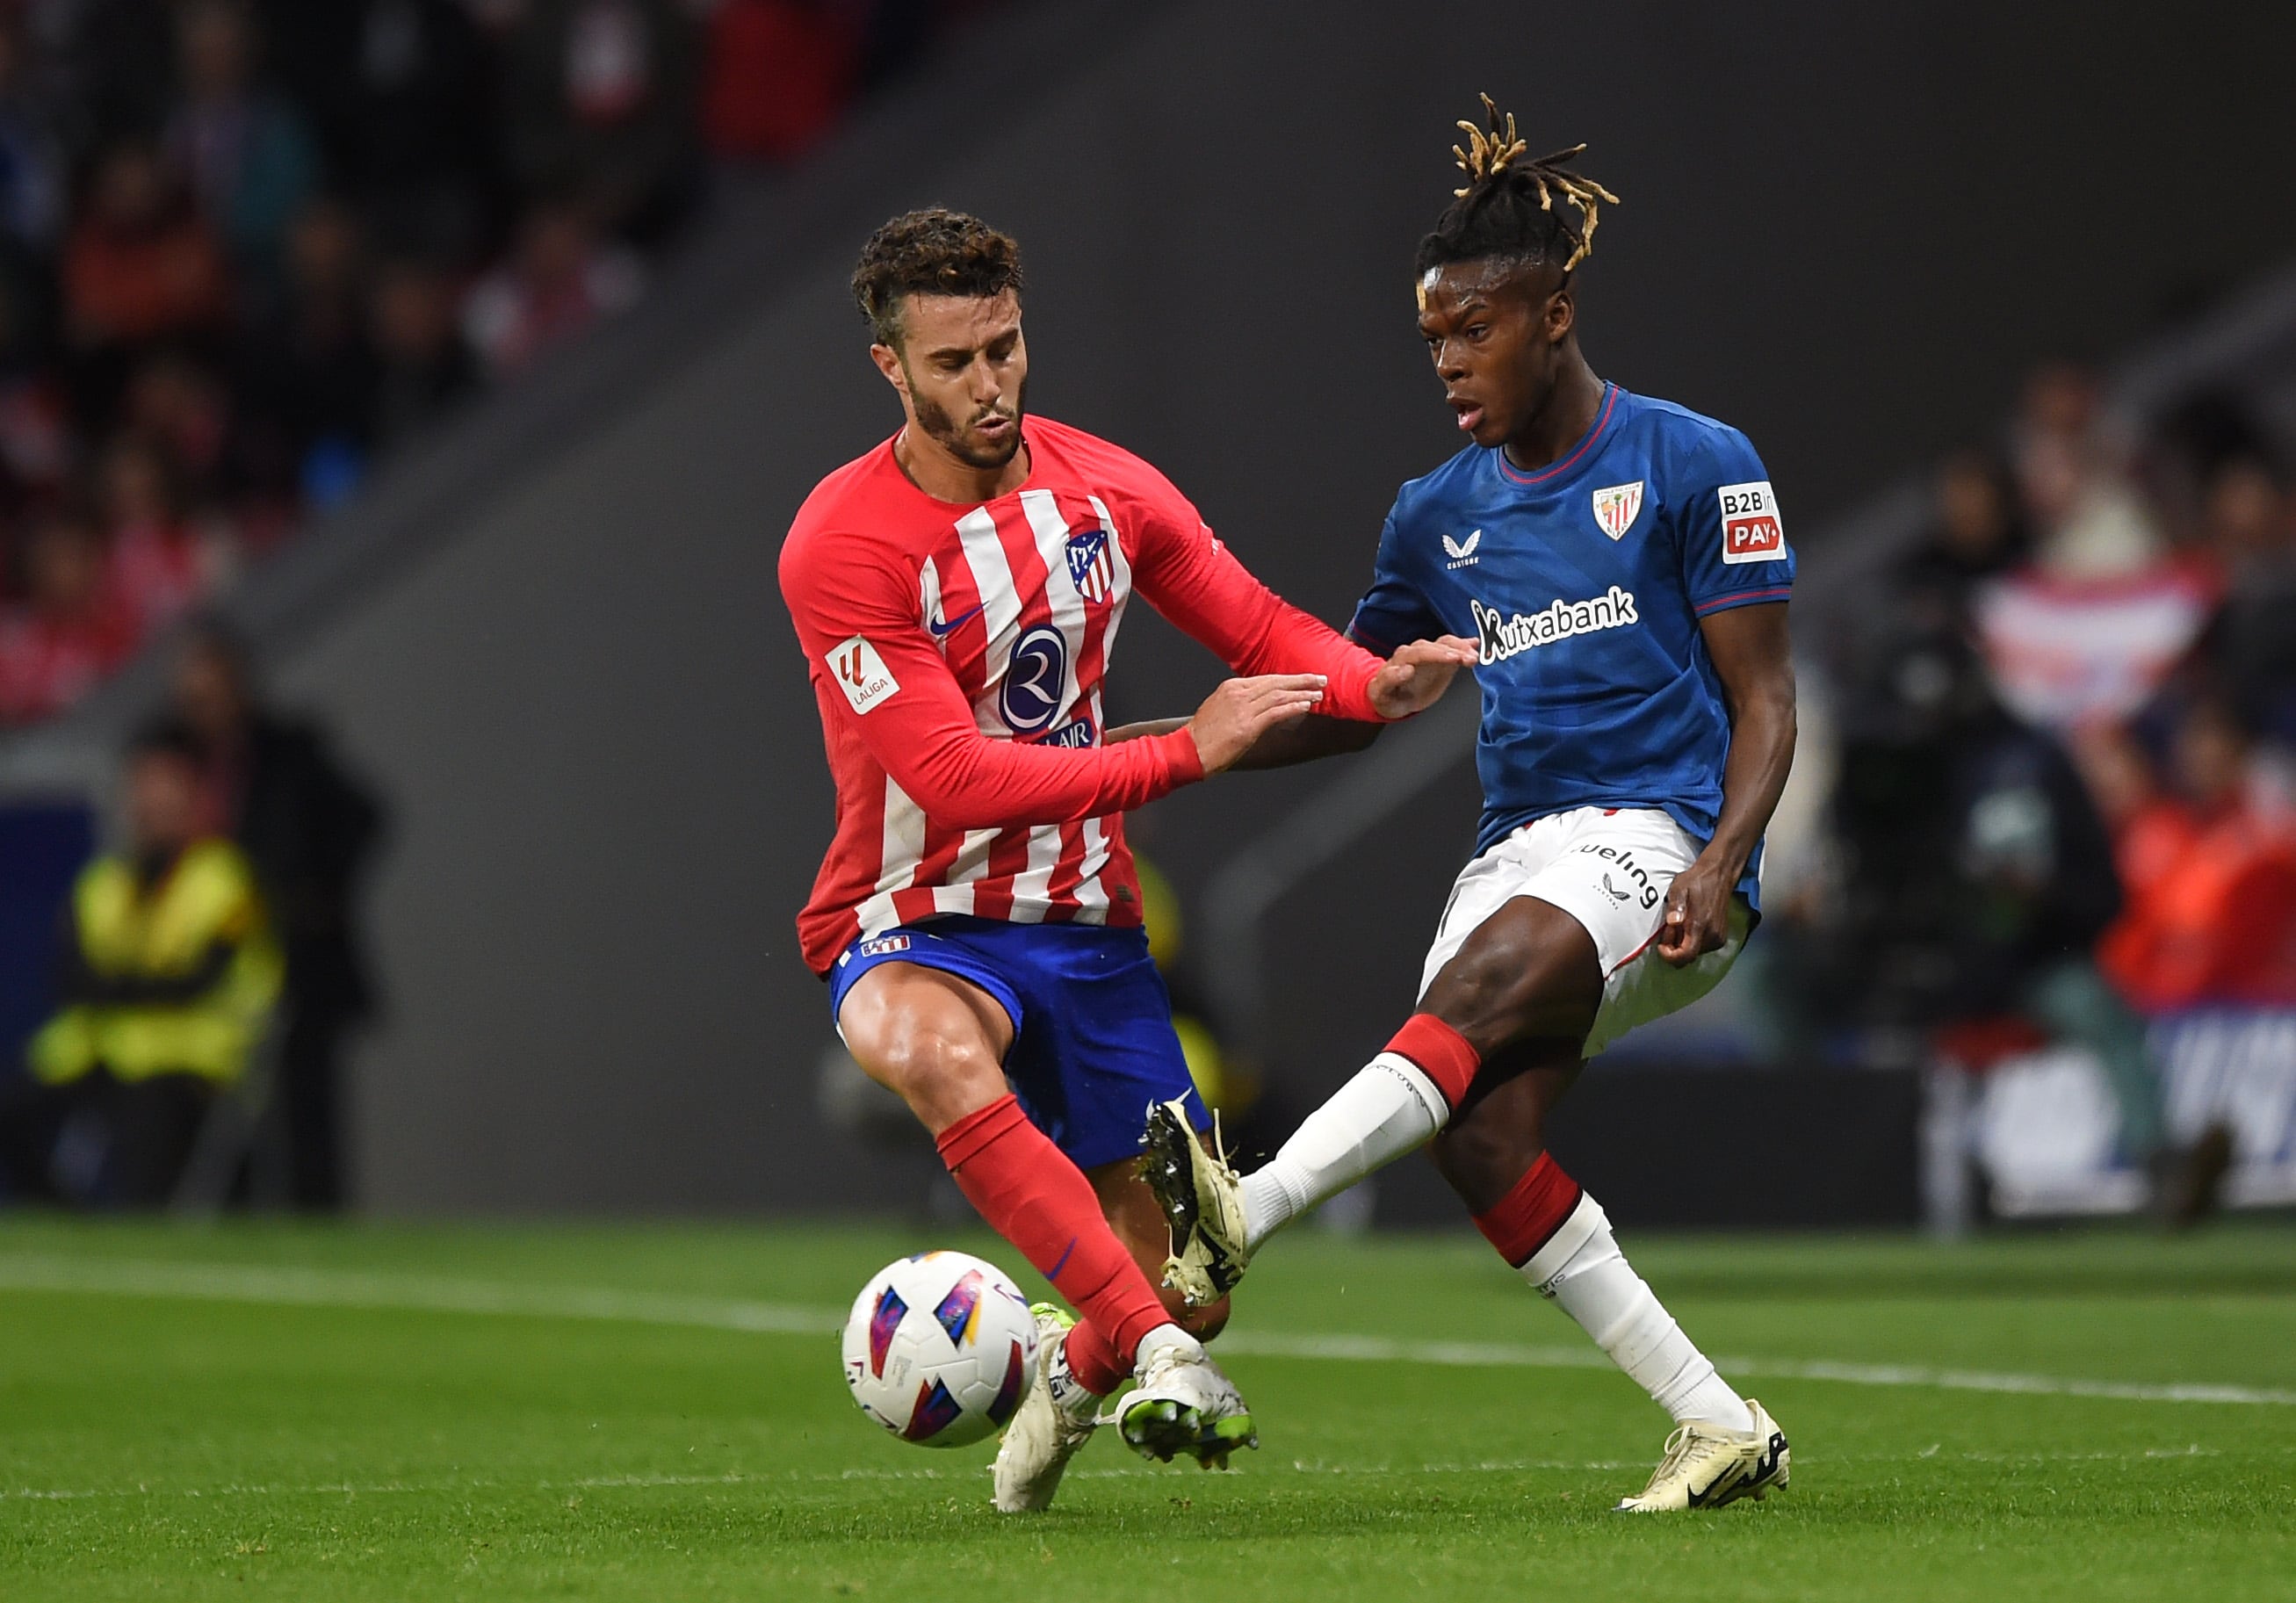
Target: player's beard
[(958, 442)]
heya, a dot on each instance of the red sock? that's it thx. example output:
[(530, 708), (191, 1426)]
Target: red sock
[(1439, 1052), (1526, 1217), (1033, 1196), (1094, 1360)]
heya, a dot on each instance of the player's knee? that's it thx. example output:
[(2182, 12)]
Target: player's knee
[(1202, 1323), (942, 1075), (1509, 984)]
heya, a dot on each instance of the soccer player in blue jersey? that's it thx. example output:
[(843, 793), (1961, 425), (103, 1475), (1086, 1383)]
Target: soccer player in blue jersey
[(1621, 563)]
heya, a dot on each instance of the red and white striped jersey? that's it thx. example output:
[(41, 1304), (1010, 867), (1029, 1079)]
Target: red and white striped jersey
[(957, 653)]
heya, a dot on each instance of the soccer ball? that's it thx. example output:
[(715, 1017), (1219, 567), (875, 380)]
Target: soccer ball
[(940, 1348)]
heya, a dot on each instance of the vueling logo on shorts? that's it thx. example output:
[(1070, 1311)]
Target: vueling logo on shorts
[(1504, 637), (1640, 886)]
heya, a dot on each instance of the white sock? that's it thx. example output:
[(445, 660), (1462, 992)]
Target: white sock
[(1581, 1269), (1390, 1107), (1166, 1335)]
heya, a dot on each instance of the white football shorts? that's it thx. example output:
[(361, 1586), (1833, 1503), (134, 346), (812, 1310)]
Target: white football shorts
[(1610, 870)]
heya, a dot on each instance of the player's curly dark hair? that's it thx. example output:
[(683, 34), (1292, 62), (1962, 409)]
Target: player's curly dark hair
[(935, 251), (1507, 207)]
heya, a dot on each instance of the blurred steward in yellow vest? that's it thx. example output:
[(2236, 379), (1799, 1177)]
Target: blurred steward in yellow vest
[(167, 974)]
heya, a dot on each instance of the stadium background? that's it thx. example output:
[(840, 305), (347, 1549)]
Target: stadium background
[(548, 631)]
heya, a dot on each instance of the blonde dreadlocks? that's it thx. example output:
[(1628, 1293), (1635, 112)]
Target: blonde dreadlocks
[(1492, 214)]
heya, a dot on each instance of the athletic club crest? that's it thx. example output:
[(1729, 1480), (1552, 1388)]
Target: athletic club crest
[(1615, 508), (1092, 565)]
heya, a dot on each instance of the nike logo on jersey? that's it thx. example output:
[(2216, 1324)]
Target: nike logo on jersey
[(1498, 636), (942, 628), (1463, 555)]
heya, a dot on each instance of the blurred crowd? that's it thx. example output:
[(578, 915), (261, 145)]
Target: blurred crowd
[(2065, 733), (249, 247)]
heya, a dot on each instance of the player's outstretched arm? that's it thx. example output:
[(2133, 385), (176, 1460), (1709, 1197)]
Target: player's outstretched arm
[(1240, 714), (1412, 681), (1416, 676), (1750, 649), (894, 694), (1188, 575)]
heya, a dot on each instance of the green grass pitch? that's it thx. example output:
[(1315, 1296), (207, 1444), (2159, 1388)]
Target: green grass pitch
[(657, 1413)]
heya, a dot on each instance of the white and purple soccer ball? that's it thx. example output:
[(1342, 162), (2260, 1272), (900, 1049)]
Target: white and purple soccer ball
[(940, 1349)]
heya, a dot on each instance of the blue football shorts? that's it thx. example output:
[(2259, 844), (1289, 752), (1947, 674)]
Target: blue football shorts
[(1091, 1023)]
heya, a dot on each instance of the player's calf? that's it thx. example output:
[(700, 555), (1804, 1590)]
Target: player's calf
[(1560, 1241), (1136, 1213), (1219, 1217)]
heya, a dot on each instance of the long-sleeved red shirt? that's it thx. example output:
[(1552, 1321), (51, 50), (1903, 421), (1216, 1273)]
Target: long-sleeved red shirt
[(958, 654)]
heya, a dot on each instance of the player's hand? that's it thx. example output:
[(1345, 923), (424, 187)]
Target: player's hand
[(1241, 710), (1697, 913), (1416, 676)]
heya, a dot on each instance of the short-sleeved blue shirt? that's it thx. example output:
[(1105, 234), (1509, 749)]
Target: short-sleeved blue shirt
[(1583, 583)]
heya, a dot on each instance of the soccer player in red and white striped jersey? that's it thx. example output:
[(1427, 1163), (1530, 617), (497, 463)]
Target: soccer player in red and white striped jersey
[(958, 591)]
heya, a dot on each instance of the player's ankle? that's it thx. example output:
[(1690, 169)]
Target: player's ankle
[(1273, 1196), (1162, 1337), (1712, 1402)]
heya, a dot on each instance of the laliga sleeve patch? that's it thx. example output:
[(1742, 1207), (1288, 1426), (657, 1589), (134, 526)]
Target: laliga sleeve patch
[(861, 674), (1750, 530)]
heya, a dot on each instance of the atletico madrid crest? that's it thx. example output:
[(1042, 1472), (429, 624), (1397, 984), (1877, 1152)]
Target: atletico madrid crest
[(1617, 508), (1092, 565)]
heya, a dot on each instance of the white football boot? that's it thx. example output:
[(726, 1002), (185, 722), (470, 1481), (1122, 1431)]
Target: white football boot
[(1184, 1405), (1203, 1199), (1706, 1467), (1053, 1420)]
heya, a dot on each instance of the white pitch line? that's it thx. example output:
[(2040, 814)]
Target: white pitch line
[(970, 1474), (390, 1293), (387, 1293)]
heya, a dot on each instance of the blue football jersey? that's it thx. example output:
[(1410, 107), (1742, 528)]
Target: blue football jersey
[(1584, 584)]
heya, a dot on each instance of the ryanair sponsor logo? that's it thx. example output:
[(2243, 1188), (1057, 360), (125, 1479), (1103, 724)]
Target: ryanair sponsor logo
[(1500, 636)]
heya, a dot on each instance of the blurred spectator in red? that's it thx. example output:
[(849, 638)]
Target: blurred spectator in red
[(424, 366), (155, 569), (69, 633), (600, 105), (2210, 867), (780, 73), (183, 410), (140, 265), (245, 152), (559, 279)]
